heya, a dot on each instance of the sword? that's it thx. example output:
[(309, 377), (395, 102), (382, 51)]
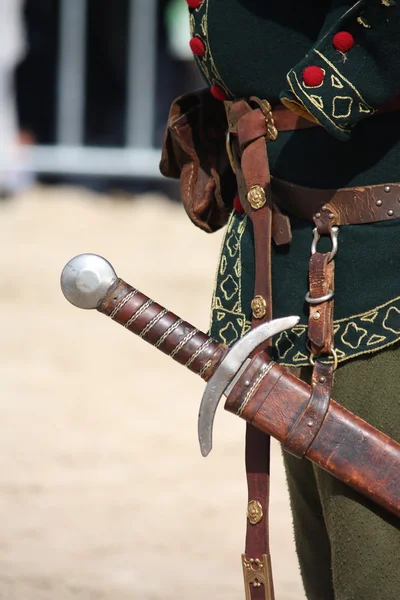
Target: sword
[(89, 281), (256, 388)]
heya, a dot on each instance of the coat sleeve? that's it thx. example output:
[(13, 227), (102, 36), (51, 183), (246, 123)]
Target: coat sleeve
[(352, 70)]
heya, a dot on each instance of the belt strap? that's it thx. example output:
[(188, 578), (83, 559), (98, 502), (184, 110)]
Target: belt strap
[(249, 153), (345, 206)]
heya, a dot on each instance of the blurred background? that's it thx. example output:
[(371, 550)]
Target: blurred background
[(103, 492)]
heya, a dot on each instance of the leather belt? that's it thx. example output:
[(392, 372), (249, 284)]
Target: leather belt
[(345, 206)]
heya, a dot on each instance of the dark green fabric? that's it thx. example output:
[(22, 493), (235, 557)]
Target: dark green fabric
[(358, 83), (366, 268), (250, 47), (240, 29), (348, 547)]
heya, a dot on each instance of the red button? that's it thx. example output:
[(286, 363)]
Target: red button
[(197, 46), (194, 3), (313, 76), (343, 41), (218, 93), (237, 205)]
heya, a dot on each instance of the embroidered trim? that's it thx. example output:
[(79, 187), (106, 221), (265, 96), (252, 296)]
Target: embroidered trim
[(355, 335), (206, 63)]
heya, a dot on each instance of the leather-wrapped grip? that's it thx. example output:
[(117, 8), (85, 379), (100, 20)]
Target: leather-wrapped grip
[(162, 328), (337, 440)]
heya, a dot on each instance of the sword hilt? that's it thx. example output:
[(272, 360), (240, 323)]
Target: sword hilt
[(89, 281)]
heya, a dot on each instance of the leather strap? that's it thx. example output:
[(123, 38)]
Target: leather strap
[(345, 206), (307, 426), (320, 322), (252, 170)]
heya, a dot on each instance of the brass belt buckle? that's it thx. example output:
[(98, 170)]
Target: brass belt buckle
[(256, 573)]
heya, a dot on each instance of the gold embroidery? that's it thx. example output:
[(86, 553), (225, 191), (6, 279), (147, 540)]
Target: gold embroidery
[(355, 335), (191, 25), (363, 22), (343, 78), (352, 329), (375, 339), (388, 316), (320, 109), (348, 103), (317, 100), (363, 109), (300, 357), (335, 81), (203, 26), (220, 81)]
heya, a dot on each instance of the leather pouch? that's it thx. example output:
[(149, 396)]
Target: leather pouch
[(194, 151)]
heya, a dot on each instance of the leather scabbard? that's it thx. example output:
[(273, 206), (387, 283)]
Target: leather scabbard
[(330, 436)]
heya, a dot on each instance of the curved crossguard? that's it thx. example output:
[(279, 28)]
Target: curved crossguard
[(89, 281)]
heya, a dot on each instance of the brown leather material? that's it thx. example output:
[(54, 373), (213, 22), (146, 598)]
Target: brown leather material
[(320, 322), (345, 206), (252, 169), (194, 150), (251, 127), (287, 120), (345, 446), (281, 229), (308, 424), (163, 329), (284, 119)]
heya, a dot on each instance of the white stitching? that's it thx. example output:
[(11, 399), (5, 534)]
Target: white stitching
[(123, 302), (254, 387), (206, 366), (154, 320), (183, 342), (139, 312), (199, 351), (170, 329)]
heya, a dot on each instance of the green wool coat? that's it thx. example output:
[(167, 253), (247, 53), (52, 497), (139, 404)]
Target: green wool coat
[(265, 48)]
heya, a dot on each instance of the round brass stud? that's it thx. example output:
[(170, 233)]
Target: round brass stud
[(259, 307), (254, 512), (256, 197)]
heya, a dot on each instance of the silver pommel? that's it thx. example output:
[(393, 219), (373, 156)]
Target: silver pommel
[(86, 279)]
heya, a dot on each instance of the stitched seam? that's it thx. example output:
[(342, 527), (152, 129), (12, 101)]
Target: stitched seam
[(254, 387)]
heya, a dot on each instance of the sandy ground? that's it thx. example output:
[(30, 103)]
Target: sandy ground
[(103, 492)]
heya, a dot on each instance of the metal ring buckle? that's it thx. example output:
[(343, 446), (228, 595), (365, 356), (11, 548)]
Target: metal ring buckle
[(334, 238), (334, 355), (321, 299), (229, 151)]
